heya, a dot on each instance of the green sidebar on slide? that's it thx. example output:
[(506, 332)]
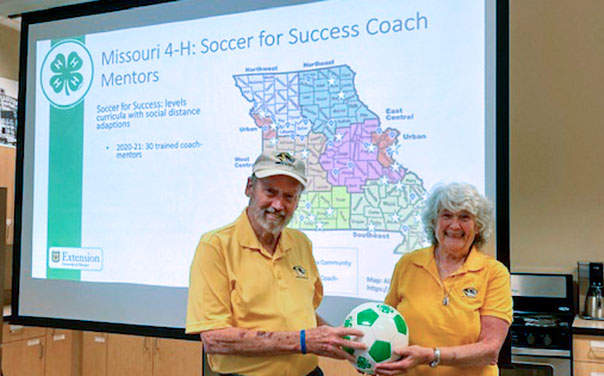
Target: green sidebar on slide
[(66, 152)]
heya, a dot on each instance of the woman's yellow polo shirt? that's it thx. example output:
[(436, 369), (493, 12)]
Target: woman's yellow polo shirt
[(480, 287), (235, 282)]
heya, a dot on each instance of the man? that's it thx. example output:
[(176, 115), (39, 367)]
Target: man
[(254, 284)]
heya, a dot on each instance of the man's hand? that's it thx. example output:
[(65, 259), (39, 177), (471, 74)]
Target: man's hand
[(328, 341)]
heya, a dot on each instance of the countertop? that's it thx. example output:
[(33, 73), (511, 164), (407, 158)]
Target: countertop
[(591, 327)]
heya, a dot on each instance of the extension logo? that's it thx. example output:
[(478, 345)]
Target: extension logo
[(76, 258), (66, 74)]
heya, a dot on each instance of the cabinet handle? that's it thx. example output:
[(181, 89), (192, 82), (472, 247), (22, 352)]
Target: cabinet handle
[(146, 346), (41, 350), (14, 329), (597, 352), (157, 344)]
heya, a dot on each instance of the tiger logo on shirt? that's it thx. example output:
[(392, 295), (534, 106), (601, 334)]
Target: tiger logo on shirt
[(300, 272)]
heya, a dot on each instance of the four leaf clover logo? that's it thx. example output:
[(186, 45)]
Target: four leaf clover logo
[(363, 363), (66, 73), (348, 322), (385, 308)]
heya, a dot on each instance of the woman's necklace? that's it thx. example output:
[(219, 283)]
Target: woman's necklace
[(442, 282), (446, 298), (445, 292)]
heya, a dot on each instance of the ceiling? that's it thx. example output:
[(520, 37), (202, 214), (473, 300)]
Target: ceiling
[(10, 8), (13, 7)]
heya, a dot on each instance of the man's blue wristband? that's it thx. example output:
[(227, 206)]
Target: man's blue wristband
[(303, 341)]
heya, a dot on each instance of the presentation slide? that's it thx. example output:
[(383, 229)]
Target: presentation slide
[(143, 137)]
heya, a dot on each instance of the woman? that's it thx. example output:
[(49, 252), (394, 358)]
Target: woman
[(456, 300)]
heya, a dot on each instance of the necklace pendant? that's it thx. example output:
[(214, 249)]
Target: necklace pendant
[(446, 301)]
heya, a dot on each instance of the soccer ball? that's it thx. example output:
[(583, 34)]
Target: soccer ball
[(384, 328)]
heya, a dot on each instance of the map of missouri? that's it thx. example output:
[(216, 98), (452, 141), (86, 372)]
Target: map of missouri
[(355, 183)]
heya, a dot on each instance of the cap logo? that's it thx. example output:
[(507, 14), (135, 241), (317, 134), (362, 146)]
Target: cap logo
[(285, 158)]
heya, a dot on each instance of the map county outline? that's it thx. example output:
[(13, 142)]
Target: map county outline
[(355, 182)]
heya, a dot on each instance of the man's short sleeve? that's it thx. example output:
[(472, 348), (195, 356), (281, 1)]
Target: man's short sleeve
[(318, 296), (498, 302), (209, 305)]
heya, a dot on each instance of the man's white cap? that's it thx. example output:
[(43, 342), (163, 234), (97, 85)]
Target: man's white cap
[(276, 162)]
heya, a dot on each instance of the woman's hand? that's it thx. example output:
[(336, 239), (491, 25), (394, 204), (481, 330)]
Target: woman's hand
[(411, 356)]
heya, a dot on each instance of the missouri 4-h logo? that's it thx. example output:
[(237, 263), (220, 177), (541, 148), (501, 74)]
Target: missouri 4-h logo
[(66, 74), (56, 256)]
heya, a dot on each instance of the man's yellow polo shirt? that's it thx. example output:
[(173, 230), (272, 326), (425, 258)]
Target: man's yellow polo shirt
[(480, 287), (235, 282)]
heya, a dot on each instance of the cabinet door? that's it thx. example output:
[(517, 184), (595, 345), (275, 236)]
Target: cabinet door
[(176, 358), (12, 333), (94, 354), (588, 369), (588, 348), (24, 358), (63, 352), (129, 355)]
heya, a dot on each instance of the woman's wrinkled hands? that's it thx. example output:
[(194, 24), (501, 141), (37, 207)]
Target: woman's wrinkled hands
[(411, 356), (328, 341)]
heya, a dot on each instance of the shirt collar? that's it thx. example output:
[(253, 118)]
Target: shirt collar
[(474, 262)]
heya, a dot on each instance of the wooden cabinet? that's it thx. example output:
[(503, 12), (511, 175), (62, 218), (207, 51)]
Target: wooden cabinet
[(23, 350), (177, 358), (129, 355), (11, 333), (588, 369), (24, 357), (117, 354), (31, 351), (40, 351), (588, 353), (94, 354), (63, 352)]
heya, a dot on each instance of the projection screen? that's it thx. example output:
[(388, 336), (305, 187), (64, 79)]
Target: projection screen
[(139, 127)]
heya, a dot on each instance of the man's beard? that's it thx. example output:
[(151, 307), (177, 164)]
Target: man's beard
[(272, 226)]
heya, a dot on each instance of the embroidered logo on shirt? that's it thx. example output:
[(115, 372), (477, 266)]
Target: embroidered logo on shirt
[(300, 272), (470, 292)]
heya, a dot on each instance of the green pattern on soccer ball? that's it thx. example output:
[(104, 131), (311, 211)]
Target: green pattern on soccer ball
[(367, 317), (401, 327), (348, 322), (380, 351), (363, 363), (384, 308)]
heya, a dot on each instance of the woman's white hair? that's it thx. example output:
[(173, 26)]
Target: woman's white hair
[(456, 197)]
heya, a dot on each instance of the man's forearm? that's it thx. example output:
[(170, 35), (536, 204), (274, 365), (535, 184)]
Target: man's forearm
[(323, 340), (250, 342)]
